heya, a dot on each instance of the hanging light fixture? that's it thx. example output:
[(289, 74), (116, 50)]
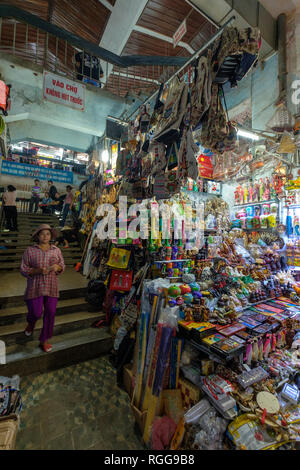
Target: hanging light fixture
[(247, 134)]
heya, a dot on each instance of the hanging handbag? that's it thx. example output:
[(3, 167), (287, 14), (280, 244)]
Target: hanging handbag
[(119, 258), (157, 152), (121, 280), (168, 128)]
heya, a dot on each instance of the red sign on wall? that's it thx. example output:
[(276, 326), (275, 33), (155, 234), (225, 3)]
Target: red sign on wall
[(179, 33)]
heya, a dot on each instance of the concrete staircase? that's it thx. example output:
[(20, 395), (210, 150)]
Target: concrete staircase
[(73, 340), (15, 243)]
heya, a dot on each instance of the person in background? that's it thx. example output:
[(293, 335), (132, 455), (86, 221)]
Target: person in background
[(52, 190), (35, 196), (88, 68), (41, 264), (45, 204), (10, 209), (66, 236), (68, 205)]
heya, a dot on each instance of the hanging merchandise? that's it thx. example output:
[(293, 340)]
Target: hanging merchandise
[(168, 127), (218, 134), (202, 297), (4, 97), (200, 91)]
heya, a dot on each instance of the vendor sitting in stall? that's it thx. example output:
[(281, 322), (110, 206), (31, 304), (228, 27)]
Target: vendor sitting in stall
[(45, 204), (65, 236)]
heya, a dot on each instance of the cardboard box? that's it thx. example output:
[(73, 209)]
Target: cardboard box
[(128, 379), (139, 416), (8, 431)]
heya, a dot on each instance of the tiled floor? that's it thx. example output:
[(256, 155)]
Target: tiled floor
[(77, 407)]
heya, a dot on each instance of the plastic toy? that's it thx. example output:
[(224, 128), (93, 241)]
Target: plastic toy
[(197, 295), (195, 287), (180, 300), (188, 298), (172, 302), (174, 291), (185, 289)]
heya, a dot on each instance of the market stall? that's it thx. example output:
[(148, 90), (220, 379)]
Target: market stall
[(203, 302)]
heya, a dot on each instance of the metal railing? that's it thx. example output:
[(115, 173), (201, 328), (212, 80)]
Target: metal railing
[(32, 39)]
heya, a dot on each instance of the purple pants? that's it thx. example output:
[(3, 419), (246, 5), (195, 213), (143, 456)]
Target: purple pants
[(35, 311)]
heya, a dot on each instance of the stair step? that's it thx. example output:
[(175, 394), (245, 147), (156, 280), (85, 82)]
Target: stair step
[(14, 333), (17, 265), (15, 314), (69, 348), (68, 256), (66, 294), (71, 249)]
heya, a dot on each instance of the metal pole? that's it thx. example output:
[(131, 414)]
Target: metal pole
[(191, 59)]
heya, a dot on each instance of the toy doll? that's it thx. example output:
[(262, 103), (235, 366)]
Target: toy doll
[(251, 193), (267, 190), (246, 193), (261, 189), (296, 225), (256, 192), (241, 196)]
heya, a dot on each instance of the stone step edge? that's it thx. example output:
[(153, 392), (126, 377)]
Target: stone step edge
[(62, 303), (60, 320), (59, 343)]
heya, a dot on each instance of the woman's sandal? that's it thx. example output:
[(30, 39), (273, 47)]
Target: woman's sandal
[(46, 347), (28, 331)]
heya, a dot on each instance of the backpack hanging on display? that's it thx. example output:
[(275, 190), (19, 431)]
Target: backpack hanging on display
[(158, 107), (168, 128), (157, 151), (144, 118)]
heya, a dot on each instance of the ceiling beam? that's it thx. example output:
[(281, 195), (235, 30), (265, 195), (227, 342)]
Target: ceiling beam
[(123, 18), (163, 37), (107, 4)]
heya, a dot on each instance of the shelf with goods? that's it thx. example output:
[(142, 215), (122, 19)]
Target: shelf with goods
[(255, 203)]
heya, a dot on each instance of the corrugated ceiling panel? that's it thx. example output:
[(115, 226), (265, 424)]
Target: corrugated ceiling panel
[(142, 44), (36, 7), (87, 19)]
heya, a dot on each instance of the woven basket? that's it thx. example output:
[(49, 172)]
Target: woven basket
[(8, 431)]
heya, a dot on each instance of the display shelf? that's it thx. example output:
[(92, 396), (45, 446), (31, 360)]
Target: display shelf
[(260, 229), (211, 354), (172, 261), (255, 203)]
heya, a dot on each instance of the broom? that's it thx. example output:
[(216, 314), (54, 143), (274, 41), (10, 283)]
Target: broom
[(79, 264)]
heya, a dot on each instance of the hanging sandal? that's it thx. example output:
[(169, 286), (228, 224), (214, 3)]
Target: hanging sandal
[(46, 347)]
